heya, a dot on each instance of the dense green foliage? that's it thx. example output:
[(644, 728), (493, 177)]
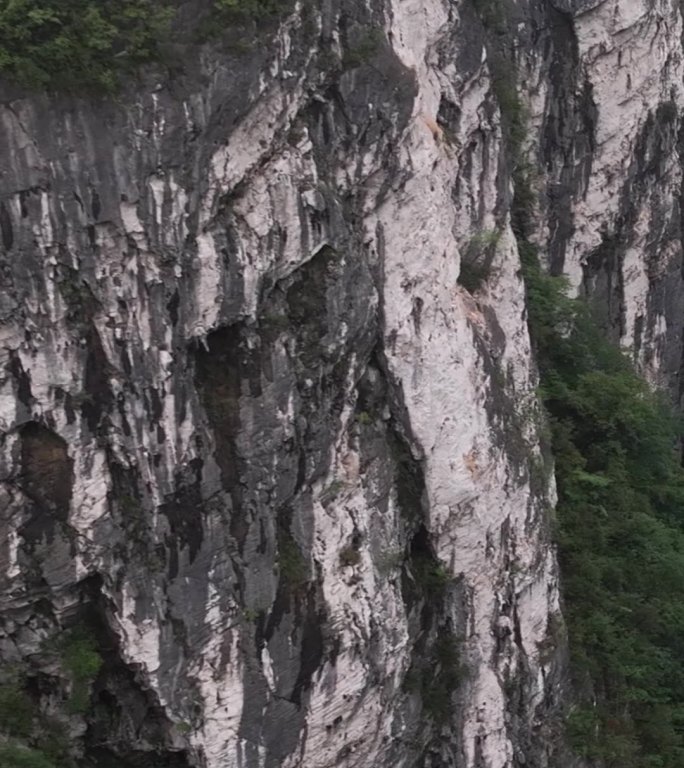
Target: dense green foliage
[(241, 15), (16, 710), (17, 756), (291, 563), (620, 520), (21, 721), (79, 43), (82, 661), (436, 672), (30, 736), (254, 9), (90, 44)]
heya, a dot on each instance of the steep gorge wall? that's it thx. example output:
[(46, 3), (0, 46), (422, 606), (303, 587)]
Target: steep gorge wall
[(609, 147), (258, 437)]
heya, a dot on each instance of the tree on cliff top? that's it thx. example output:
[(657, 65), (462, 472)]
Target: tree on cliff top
[(79, 43)]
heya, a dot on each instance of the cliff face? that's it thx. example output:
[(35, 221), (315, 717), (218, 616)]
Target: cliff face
[(609, 140), (268, 410)]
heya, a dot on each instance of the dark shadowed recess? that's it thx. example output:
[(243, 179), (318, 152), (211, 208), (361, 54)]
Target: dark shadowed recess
[(127, 727), (46, 478)]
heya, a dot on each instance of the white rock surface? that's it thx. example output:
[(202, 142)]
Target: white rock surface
[(137, 267)]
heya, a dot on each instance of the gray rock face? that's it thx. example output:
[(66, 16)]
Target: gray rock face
[(609, 124), (576, 7), (267, 399)]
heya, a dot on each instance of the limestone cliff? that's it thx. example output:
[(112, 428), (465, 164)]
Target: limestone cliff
[(268, 412)]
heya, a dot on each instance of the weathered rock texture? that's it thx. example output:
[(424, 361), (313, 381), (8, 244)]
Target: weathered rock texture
[(258, 437), (609, 137)]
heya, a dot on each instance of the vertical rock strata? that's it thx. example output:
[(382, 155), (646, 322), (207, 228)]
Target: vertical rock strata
[(267, 399), (610, 143)]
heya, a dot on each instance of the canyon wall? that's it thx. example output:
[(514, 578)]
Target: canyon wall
[(268, 409)]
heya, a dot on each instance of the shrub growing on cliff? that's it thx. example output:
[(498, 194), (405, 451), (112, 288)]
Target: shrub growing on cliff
[(79, 43), (227, 14), (291, 563), (16, 756), (436, 675), (476, 260), (82, 661), (22, 722), (620, 535), (255, 9), (16, 709)]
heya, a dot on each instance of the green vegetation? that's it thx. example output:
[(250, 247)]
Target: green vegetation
[(183, 727), (430, 575), (620, 512), (90, 45), (482, 241), (476, 260), (472, 276), (16, 709), (436, 675), (252, 614), (620, 535), (22, 721), (238, 14), (493, 15), (333, 491), (390, 561), (512, 109), (291, 563), (16, 756), (255, 10), (364, 418), (350, 556), (79, 43), (82, 663), (408, 479), (364, 49)]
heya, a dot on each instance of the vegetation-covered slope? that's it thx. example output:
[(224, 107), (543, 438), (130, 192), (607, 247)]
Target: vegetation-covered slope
[(620, 520), (79, 42), (90, 44)]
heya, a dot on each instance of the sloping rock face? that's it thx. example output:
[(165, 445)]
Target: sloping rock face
[(267, 401), (610, 147)]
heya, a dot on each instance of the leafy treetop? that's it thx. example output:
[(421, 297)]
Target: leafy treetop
[(79, 43)]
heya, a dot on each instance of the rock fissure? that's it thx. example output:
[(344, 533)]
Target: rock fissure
[(268, 401)]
